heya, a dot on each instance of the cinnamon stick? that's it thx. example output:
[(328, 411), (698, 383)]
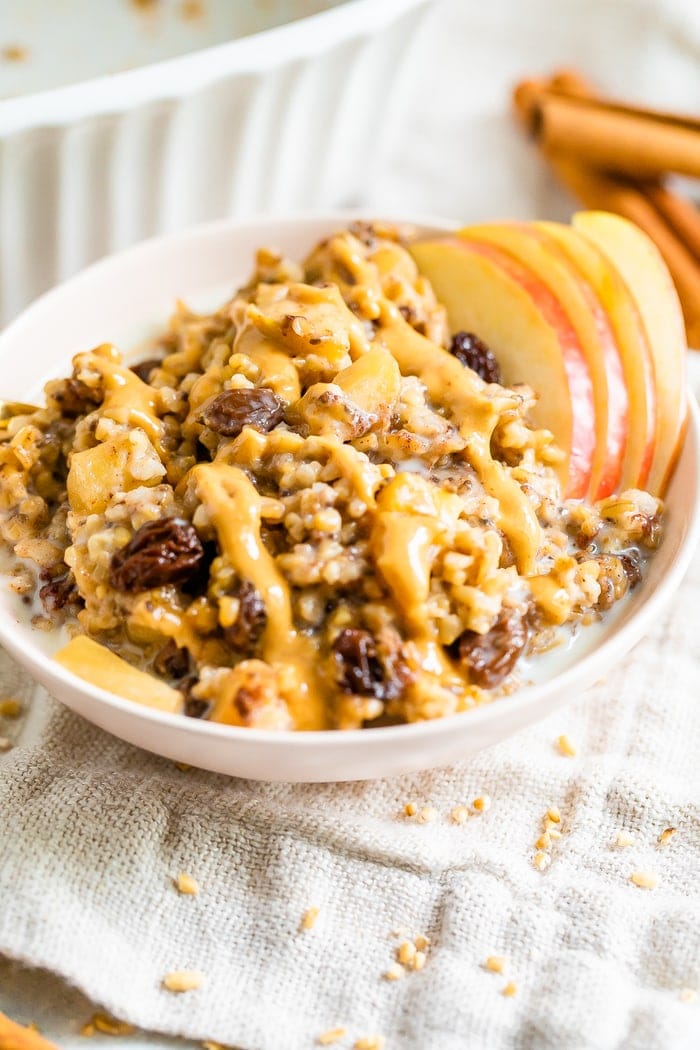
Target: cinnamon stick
[(16, 1037), (628, 140)]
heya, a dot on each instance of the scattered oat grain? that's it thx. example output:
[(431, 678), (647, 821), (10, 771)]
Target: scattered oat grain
[(544, 841), (371, 1042), (87, 1030), (394, 973), (427, 815), (554, 833), (183, 980), (186, 885), (108, 1025), (418, 961), (666, 836), (646, 880), (405, 952), (687, 995), (623, 839), (482, 803), (10, 708), (422, 942), (565, 746), (331, 1036), (496, 963), (308, 919), (554, 815), (183, 767), (410, 809), (5, 743), (541, 860), (510, 989), (460, 815), (208, 1044)]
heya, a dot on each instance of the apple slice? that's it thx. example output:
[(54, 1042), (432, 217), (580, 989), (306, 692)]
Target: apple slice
[(640, 266), (487, 292), (596, 336), (635, 352)]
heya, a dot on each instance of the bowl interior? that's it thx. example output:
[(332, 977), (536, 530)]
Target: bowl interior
[(127, 298)]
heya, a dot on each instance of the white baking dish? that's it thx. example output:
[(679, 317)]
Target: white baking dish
[(288, 118)]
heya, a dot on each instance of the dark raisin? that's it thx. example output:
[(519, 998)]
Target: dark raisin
[(631, 563), (59, 590), (367, 669), (193, 707), (171, 661), (75, 398), (231, 410), (144, 368), (247, 629), (490, 657), (473, 353), (160, 552)]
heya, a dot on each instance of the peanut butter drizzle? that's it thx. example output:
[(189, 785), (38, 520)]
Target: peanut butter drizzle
[(236, 508), (454, 386), (127, 398), (276, 368)]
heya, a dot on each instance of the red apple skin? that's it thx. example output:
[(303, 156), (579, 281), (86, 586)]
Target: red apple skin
[(539, 254), (500, 278), (635, 352)]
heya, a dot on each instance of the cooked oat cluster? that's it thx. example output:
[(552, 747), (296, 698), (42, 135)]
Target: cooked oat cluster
[(312, 509)]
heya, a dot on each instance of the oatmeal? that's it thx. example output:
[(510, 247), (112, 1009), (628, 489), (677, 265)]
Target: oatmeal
[(314, 508)]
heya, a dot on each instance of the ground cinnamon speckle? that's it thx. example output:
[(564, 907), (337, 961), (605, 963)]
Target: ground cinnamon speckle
[(394, 973)]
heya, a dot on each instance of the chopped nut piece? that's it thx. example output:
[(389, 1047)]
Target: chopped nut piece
[(5, 743), (427, 815), (183, 980), (482, 803), (410, 809), (666, 836), (186, 885), (308, 920), (565, 746), (418, 961), (510, 989), (394, 973), (460, 815), (405, 952), (10, 708), (623, 838), (421, 942), (687, 995), (554, 815), (541, 860), (646, 880), (372, 1042), (496, 963), (109, 1025), (331, 1036)]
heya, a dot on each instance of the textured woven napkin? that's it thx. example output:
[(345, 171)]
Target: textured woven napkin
[(92, 832)]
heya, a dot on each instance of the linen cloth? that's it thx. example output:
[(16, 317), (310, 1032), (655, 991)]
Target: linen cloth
[(92, 831)]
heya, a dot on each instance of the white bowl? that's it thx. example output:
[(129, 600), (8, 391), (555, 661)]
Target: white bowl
[(141, 285), (289, 118)]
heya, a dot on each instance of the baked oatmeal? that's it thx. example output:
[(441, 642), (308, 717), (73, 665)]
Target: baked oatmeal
[(313, 508)]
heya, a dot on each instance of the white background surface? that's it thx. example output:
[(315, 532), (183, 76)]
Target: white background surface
[(457, 153)]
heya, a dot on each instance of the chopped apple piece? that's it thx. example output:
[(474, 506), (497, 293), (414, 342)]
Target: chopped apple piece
[(372, 382), (596, 336), (489, 293), (640, 266), (98, 665), (632, 342)]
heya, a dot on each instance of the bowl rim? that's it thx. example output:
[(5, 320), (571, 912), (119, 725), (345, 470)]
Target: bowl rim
[(13, 631), (183, 75)]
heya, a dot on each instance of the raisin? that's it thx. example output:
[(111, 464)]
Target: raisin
[(144, 368), (490, 657), (246, 630), (473, 353), (160, 552), (231, 410), (368, 669), (631, 563), (171, 661), (75, 398), (60, 590)]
